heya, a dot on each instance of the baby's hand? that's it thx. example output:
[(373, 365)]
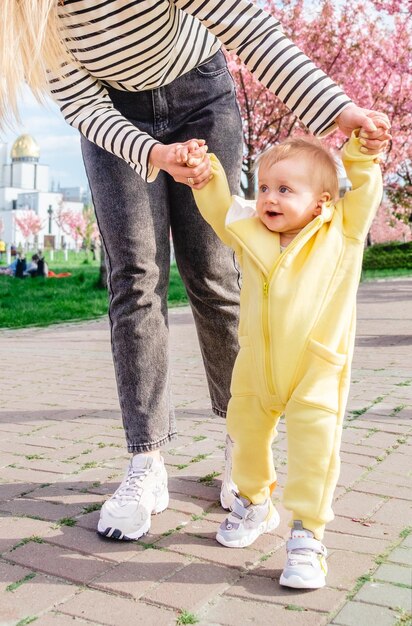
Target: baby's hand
[(191, 152), (374, 142)]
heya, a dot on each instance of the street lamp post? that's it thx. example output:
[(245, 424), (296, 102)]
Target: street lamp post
[(50, 212)]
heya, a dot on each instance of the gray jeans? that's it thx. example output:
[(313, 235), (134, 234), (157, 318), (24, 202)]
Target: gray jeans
[(135, 219)]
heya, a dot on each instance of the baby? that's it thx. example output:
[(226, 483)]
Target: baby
[(300, 247)]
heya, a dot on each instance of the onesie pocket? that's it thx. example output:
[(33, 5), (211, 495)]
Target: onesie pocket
[(319, 380), (243, 370)]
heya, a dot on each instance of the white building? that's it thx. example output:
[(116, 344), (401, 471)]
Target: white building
[(76, 194), (24, 184)]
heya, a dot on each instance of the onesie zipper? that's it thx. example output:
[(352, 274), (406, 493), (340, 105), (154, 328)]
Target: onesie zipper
[(315, 225), (266, 338), (265, 313)]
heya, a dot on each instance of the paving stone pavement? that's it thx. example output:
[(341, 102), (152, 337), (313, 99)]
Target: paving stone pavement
[(62, 452)]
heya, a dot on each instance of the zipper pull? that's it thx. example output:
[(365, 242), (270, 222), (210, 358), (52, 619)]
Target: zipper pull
[(265, 289)]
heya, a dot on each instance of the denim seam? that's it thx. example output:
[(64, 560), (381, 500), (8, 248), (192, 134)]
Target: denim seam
[(237, 268), (218, 412), (214, 74), (148, 447)]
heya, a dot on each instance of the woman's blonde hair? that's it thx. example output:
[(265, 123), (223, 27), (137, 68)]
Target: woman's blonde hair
[(30, 42)]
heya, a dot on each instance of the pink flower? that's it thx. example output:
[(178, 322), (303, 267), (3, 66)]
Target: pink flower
[(28, 222), (365, 52)]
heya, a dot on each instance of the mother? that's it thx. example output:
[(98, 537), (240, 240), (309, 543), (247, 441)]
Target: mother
[(138, 77)]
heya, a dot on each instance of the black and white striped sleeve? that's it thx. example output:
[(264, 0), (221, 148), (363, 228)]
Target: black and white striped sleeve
[(86, 105), (258, 40)]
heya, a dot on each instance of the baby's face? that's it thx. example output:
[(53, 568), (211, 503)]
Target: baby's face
[(288, 198)]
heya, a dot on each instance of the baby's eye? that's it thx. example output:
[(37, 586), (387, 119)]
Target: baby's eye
[(263, 188), (283, 189)]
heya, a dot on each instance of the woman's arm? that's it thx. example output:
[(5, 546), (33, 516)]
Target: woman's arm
[(86, 105), (257, 38)]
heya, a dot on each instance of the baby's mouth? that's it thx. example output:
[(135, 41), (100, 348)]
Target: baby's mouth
[(272, 213)]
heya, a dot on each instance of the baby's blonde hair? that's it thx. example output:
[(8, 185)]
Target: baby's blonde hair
[(30, 42), (325, 170)]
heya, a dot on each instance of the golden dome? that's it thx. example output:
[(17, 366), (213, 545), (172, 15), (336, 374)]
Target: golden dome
[(25, 148)]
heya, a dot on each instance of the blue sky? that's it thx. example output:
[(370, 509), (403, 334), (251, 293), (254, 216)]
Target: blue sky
[(59, 143)]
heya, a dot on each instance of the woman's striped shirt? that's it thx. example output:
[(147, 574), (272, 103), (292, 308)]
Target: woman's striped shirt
[(136, 45)]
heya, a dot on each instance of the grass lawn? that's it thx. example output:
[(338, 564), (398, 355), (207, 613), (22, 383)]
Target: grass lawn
[(368, 275), (40, 302)]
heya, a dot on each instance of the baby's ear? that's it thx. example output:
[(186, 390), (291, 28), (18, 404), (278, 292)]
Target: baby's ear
[(324, 197)]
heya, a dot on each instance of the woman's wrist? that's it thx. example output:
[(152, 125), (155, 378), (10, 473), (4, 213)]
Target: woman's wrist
[(155, 155)]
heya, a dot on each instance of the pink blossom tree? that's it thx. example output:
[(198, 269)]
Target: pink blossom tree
[(72, 223), (91, 232), (393, 7), (81, 227), (362, 49), (387, 228), (28, 223)]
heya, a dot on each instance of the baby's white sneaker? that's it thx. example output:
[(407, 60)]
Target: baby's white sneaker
[(306, 560)]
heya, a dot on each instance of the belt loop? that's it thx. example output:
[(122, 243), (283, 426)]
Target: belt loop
[(160, 111)]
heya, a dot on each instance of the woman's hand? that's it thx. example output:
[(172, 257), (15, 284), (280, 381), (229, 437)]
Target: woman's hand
[(169, 159), (374, 127)]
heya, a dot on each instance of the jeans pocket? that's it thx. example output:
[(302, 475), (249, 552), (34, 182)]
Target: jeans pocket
[(319, 379), (214, 67)]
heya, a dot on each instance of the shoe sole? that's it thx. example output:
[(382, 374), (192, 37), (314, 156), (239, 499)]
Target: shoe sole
[(115, 533), (264, 527), (296, 582)]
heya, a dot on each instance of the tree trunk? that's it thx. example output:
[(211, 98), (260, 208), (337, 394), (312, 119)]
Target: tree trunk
[(368, 240), (249, 187), (248, 181)]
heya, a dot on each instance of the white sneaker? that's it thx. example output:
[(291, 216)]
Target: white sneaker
[(127, 514), (306, 563), (228, 490), (247, 522)]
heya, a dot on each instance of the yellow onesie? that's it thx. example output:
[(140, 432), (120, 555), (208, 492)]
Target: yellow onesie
[(296, 336)]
